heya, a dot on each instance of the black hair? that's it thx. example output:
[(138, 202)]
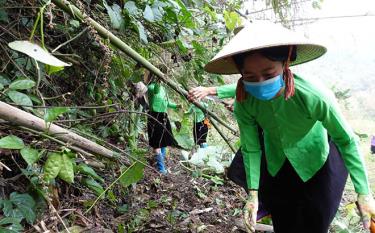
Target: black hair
[(279, 53)]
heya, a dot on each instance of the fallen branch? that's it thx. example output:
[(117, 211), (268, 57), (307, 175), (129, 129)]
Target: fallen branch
[(258, 227), (70, 107), (4, 166), (28, 120), (195, 211), (222, 135), (68, 41), (77, 149)]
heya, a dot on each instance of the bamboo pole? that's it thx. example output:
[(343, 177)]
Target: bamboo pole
[(222, 135), (106, 34), (22, 118)]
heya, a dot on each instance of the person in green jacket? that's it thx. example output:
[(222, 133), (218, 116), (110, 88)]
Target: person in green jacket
[(159, 129), (309, 147), (200, 128)]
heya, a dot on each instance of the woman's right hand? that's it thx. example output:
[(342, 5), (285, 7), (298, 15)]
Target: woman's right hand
[(250, 211), (366, 206), (198, 93)]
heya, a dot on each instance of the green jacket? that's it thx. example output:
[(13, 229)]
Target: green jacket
[(226, 91), (296, 130), (199, 115), (158, 98)]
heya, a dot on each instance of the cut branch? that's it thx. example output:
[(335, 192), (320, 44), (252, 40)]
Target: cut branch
[(222, 135), (22, 118)]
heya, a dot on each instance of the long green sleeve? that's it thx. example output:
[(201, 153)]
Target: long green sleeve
[(172, 105), (250, 146), (226, 91), (328, 113)]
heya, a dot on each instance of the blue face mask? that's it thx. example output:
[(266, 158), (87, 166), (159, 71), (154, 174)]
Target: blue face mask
[(265, 90)]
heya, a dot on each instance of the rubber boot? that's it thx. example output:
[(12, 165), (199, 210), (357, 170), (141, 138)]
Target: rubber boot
[(160, 164), (204, 145), (163, 151)]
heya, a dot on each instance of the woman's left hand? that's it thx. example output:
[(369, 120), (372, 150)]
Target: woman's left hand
[(366, 206)]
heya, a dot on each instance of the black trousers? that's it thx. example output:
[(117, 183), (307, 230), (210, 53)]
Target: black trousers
[(200, 131), (297, 206), (159, 130)]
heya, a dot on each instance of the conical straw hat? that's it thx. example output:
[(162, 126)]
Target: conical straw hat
[(259, 35)]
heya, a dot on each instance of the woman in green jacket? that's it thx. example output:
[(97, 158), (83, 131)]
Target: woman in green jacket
[(159, 129), (309, 147)]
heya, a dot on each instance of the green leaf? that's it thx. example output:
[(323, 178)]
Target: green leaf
[(114, 13), (7, 208), (6, 230), (148, 14), (25, 203), (132, 174), (52, 166), (183, 137), (53, 113), (183, 46), (11, 142), (212, 13), (217, 180), (20, 98), (199, 49), (316, 5), (185, 15), (84, 169), (157, 10), (74, 23), (67, 172), (4, 80), (93, 185), (131, 8), (35, 99), (30, 155), (9, 220), (53, 69), (4, 16), (19, 206), (1, 86), (141, 32), (123, 209), (23, 84), (36, 52), (10, 225), (232, 20)]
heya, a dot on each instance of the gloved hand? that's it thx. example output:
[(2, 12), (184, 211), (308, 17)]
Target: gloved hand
[(250, 211), (366, 206)]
